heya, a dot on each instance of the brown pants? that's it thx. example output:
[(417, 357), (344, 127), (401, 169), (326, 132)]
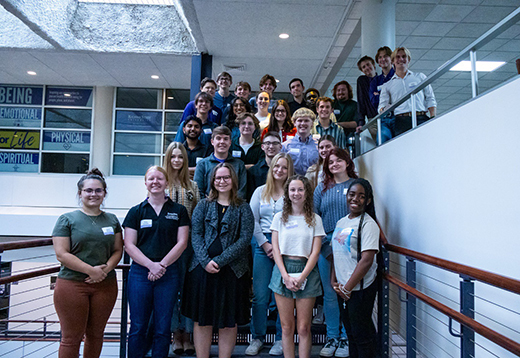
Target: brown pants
[(83, 310)]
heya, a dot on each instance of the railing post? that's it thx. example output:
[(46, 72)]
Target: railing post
[(411, 334), (414, 111), (467, 308), (124, 309), (383, 310), (379, 134), (474, 74)]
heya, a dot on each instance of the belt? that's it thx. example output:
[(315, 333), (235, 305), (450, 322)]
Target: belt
[(409, 114)]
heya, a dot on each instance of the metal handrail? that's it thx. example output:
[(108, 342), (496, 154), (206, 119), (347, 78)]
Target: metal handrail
[(496, 30), (24, 244), (479, 328), (490, 278)]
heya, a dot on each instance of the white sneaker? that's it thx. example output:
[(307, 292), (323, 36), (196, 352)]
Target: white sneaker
[(320, 317), (276, 349), (342, 350), (329, 348), (254, 347)]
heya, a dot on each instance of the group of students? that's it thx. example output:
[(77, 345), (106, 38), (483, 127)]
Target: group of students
[(299, 204)]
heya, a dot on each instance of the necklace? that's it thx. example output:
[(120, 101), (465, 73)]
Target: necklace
[(90, 218)]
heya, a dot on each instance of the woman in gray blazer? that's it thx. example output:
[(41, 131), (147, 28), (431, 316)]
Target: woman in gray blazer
[(216, 292)]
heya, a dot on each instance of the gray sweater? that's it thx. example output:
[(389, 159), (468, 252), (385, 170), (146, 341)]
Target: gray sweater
[(237, 228), (331, 205)]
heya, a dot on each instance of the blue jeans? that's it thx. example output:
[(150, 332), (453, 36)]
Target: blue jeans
[(387, 128), (145, 296), (330, 298), (262, 271)]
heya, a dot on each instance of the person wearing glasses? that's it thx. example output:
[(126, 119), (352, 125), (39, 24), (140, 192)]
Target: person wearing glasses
[(223, 97), (280, 121), (88, 244), (216, 291), (257, 174)]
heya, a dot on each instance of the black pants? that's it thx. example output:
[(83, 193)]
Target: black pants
[(404, 123), (356, 315)]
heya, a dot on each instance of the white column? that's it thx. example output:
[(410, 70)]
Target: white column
[(102, 128), (377, 26)]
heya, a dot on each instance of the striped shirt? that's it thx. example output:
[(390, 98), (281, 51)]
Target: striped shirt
[(333, 130)]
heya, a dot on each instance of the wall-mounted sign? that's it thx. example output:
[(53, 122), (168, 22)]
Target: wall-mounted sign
[(81, 97), (12, 139), (20, 116), (21, 95), (138, 121), (65, 140), (19, 162)]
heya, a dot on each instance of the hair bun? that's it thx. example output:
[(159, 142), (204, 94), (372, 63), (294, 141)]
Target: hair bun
[(95, 171)]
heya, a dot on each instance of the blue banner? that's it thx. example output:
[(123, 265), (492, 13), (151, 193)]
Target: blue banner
[(19, 162), (81, 97), (20, 116), (138, 121), (21, 95), (66, 141)]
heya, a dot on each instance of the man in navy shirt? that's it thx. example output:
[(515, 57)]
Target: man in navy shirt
[(223, 97), (215, 114), (365, 108)]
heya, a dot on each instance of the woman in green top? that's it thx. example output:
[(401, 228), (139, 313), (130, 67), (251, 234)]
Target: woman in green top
[(89, 245)]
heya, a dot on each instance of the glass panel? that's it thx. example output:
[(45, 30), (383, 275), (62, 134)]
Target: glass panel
[(13, 139), (172, 121), (168, 138), (59, 96), (68, 118), (148, 98), (138, 121), (137, 143), (21, 95), (66, 140), (23, 162), (133, 165), (177, 98), (20, 116), (64, 163)]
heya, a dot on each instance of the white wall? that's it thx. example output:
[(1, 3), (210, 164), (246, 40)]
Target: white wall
[(451, 189)]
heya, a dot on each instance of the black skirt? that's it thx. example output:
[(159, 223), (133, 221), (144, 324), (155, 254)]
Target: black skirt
[(220, 300)]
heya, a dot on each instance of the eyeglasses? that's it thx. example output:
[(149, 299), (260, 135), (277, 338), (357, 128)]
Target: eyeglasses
[(272, 144), (224, 79), (280, 111), (97, 191), (223, 178)]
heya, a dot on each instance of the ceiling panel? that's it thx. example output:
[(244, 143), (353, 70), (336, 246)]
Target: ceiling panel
[(449, 13)]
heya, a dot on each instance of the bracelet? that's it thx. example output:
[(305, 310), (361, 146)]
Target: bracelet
[(162, 265), (345, 291)]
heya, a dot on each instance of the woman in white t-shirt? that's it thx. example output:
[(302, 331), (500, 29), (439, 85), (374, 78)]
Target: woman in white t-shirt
[(355, 243), (296, 239), (263, 99)]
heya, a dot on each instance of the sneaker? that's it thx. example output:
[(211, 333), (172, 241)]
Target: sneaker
[(189, 348), (254, 347), (329, 348), (276, 349), (320, 317), (176, 347), (342, 350)]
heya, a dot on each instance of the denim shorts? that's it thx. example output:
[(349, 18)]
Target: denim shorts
[(312, 288)]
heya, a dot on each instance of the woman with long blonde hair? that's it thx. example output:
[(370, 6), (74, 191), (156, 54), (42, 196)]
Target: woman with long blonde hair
[(267, 200), (183, 191)]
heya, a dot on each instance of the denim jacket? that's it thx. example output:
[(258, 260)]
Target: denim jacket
[(237, 228)]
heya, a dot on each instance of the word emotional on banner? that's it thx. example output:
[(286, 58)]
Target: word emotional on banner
[(19, 162), (21, 95), (20, 116), (11, 139), (65, 140)]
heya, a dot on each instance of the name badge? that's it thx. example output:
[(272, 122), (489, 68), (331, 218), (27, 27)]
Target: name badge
[(237, 153), (316, 136), (291, 224), (345, 190), (146, 223), (265, 205), (215, 113), (379, 88), (172, 216), (198, 159), (109, 230), (412, 85), (208, 130), (337, 111), (294, 151)]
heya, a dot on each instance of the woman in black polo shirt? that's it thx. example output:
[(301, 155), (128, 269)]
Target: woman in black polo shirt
[(156, 234)]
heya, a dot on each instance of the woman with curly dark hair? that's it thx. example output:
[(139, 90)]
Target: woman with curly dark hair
[(238, 106), (296, 239), (280, 122)]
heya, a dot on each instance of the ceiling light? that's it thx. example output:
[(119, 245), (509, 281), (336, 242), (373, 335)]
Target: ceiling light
[(482, 66), (170, 97), (277, 81), (283, 36), (155, 77), (32, 73)]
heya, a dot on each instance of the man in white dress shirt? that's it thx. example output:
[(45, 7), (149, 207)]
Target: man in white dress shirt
[(402, 82)]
